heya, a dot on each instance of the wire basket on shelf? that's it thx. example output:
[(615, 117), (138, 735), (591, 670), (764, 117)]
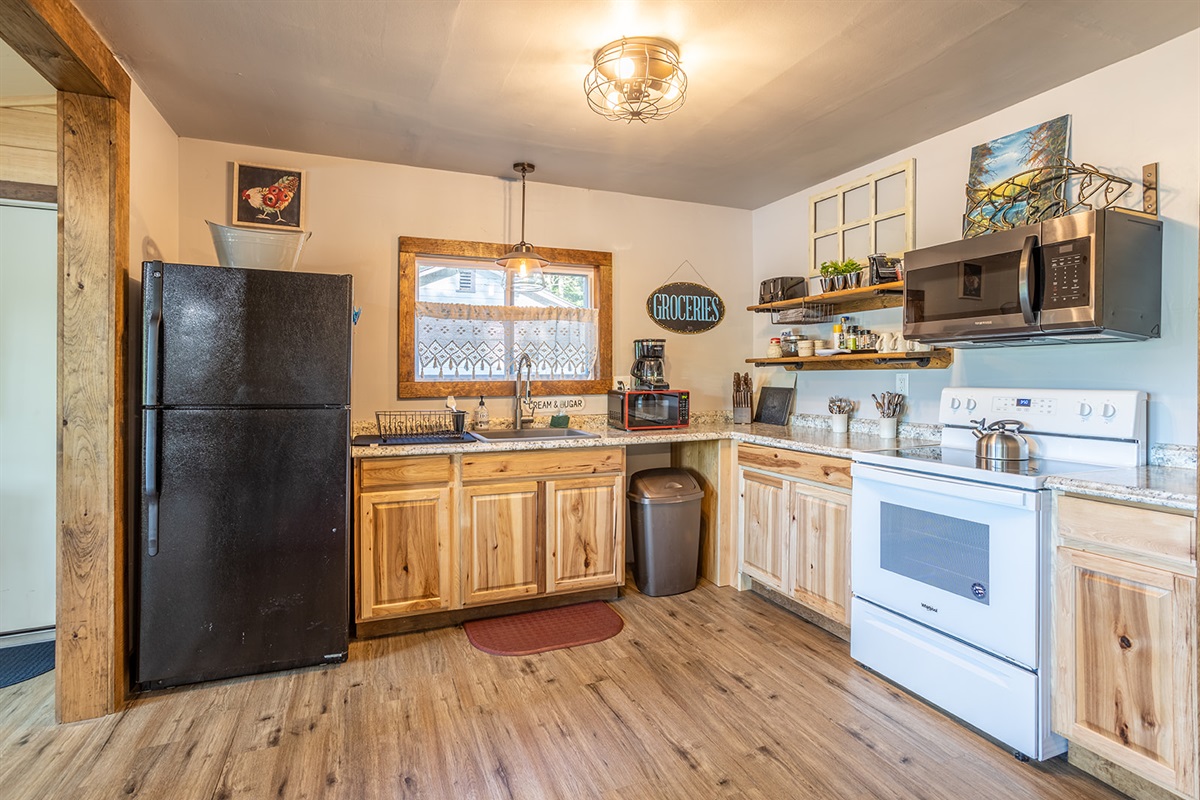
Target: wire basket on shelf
[(808, 314), (417, 427)]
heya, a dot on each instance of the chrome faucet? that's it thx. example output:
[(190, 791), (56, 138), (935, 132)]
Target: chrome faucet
[(524, 410)]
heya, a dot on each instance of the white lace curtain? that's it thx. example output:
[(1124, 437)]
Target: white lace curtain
[(468, 342)]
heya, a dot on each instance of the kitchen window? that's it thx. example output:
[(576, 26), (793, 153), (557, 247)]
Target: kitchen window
[(871, 215), (462, 328)]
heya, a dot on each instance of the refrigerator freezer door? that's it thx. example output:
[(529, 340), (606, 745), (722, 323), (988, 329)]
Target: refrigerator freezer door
[(221, 336), (250, 572)]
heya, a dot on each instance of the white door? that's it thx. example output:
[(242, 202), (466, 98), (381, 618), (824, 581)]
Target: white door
[(28, 370)]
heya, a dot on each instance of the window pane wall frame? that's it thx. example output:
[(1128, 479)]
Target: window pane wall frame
[(412, 248), (878, 208)]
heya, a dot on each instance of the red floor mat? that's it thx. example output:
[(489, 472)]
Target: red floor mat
[(539, 631)]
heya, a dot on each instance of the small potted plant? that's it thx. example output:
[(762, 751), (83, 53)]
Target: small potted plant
[(838, 275)]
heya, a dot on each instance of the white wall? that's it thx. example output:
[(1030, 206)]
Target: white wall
[(1141, 110), (153, 185), (28, 371), (358, 209)]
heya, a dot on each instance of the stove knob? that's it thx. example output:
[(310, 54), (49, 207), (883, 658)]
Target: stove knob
[(955, 403), (971, 404), (1085, 410), (1108, 411)]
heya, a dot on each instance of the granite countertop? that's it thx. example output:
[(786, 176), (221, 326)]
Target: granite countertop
[(1169, 487), (1166, 486), (819, 441)]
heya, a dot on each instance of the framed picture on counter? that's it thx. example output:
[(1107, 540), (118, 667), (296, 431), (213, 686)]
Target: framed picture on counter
[(268, 197)]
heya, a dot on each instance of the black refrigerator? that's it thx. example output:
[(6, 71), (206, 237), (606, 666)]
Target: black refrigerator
[(240, 564)]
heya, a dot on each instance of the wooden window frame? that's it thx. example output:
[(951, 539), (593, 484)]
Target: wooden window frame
[(908, 169), (408, 387)]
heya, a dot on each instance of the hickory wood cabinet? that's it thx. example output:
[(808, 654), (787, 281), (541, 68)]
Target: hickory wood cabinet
[(1125, 638), (403, 542), (438, 533), (542, 522), (795, 526)]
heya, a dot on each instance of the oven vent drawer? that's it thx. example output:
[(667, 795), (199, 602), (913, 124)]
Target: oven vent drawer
[(996, 696)]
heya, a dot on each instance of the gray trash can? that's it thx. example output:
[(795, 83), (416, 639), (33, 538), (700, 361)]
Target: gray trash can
[(664, 513)]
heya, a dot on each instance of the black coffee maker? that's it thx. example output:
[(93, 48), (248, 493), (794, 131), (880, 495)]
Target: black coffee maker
[(647, 369)]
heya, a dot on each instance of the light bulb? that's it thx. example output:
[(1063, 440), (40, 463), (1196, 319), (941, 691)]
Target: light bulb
[(626, 68)]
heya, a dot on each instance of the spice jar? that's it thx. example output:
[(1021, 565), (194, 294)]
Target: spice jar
[(789, 343), (774, 350)]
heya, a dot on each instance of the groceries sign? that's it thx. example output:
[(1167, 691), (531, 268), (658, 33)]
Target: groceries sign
[(685, 307)]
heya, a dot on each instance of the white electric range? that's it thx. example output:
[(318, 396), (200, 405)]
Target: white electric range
[(950, 554)]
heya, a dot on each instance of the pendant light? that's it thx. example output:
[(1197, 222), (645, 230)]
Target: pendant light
[(522, 265)]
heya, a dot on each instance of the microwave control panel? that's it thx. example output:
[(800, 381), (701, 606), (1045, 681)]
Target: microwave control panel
[(1068, 270)]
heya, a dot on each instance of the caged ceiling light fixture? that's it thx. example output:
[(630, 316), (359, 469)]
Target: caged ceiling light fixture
[(637, 78), (522, 265)]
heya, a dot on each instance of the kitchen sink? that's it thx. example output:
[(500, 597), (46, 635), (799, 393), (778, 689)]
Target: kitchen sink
[(535, 434)]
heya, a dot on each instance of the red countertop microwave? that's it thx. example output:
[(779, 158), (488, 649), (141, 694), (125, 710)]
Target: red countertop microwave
[(647, 410)]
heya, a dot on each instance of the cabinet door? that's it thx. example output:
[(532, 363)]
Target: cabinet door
[(403, 540), (502, 535), (583, 518), (820, 567), (766, 522), (1125, 644)]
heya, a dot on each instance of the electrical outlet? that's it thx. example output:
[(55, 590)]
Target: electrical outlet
[(902, 383)]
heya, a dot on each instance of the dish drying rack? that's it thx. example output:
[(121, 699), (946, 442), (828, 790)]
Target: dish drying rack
[(421, 427)]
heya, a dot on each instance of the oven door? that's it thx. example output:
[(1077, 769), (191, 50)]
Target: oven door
[(959, 557), (973, 290)]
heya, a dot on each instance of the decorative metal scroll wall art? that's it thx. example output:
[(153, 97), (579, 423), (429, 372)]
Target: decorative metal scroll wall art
[(1035, 195)]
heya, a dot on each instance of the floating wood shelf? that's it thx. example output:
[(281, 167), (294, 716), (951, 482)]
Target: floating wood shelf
[(865, 298), (930, 359)]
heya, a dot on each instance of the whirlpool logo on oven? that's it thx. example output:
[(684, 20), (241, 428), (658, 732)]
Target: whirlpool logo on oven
[(928, 607)]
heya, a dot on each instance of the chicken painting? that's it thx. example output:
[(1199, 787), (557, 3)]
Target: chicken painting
[(273, 198)]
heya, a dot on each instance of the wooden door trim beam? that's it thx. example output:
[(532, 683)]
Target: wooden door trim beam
[(63, 47), (92, 676)]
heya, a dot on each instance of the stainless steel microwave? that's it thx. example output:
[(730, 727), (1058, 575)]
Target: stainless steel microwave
[(1089, 277), (640, 410)]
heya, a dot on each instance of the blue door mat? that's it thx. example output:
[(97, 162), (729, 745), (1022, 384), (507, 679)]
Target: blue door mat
[(25, 661)]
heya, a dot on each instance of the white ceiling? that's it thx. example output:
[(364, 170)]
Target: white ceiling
[(782, 95)]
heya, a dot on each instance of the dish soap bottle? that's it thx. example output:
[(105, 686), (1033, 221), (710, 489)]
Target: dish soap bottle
[(481, 416)]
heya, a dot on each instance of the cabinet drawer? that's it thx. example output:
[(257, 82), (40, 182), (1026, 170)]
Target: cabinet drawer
[(378, 474), (549, 463), (806, 466), (1160, 537)]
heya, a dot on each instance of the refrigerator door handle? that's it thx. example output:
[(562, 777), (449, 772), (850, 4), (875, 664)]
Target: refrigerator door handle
[(150, 478), (152, 308)]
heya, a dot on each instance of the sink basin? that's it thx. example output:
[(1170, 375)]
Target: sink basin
[(535, 434)]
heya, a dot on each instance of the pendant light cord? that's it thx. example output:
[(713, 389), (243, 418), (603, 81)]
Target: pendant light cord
[(522, 205)]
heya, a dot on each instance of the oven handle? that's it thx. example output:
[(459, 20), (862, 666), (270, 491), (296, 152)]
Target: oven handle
[(964, 490)]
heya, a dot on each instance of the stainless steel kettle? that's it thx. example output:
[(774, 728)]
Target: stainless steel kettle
[(1000, 441)]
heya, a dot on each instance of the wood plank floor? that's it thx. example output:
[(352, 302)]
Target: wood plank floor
[(713, 693)]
